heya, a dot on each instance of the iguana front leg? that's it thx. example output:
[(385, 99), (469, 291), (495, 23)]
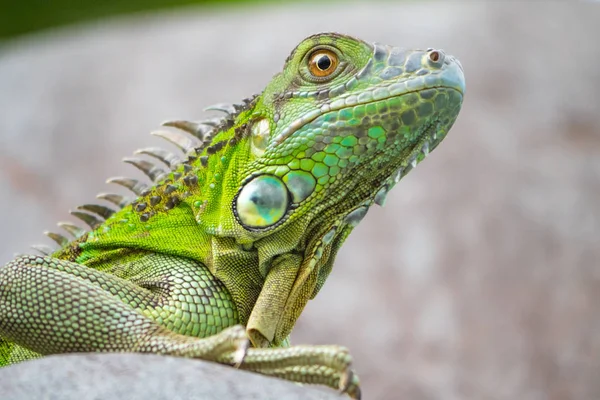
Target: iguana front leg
[(52, 306), (326, 365)]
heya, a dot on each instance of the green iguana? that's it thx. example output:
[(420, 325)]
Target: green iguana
[(218, 257)]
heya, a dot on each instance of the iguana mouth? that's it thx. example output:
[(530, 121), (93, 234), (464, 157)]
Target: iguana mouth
[(332, 107)]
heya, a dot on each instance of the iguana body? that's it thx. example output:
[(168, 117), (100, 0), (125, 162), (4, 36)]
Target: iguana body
[(232, 242)]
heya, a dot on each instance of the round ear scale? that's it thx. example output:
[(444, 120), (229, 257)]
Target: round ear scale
[(262, 202)]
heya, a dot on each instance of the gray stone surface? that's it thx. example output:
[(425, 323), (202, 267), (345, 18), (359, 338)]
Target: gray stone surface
[(480, 278), (143, 377)]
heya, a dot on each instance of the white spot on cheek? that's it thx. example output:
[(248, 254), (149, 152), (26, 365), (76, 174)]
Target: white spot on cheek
[(261, 130)]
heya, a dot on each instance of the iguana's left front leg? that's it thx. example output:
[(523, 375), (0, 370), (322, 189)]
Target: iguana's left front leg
[(53, 306), (271, 320)]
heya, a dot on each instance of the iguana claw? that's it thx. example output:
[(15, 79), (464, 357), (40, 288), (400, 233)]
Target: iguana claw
[(240, 353), (349, 384)]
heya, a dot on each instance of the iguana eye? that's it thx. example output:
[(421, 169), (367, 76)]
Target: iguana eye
[(322, 63), (262, 202)]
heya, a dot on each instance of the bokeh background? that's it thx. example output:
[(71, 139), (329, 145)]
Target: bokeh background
[(479, 279)]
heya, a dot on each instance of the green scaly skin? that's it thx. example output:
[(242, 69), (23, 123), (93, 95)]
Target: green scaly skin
[(219, 257)]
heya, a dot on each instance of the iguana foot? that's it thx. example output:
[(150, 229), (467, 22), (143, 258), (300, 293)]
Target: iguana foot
[(231, 344), (325, 365)]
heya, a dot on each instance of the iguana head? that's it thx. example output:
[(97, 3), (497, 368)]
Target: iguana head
[(342, 123), (328, 137)]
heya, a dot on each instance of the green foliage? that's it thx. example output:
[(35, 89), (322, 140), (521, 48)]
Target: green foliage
[(22, 16)]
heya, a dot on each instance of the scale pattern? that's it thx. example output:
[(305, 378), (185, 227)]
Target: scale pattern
[(217, 257)]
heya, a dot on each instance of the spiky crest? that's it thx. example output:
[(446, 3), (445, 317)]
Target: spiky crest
[(202, 133)]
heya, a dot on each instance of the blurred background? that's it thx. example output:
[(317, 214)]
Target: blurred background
[(480, 279)]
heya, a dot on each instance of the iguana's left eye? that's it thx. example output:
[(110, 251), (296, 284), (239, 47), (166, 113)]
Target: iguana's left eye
[(322, 63)]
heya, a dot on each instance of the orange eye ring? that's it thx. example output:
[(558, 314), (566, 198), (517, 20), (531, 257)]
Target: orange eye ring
[(322, 63)]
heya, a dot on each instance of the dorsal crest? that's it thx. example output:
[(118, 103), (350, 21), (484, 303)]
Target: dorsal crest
[(191, 137)]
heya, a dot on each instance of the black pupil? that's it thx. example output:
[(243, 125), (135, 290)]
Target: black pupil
[(323, 62)]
